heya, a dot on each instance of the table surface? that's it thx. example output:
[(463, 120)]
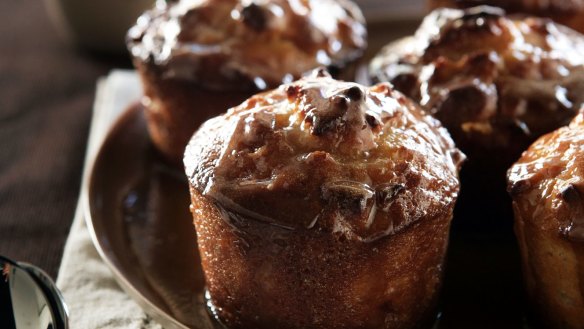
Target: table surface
[(47, 89), (46, 93)]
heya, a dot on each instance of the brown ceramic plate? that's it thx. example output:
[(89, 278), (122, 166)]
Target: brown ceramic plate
[(137, 208)]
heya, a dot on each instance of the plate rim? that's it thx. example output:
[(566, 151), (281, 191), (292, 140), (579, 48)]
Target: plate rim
[(161, 316)]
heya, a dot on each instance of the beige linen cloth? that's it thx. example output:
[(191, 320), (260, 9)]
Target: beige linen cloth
[(94, 298)]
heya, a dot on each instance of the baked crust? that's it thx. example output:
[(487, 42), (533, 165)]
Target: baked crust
[(176, 108), (323, 204), (547, 187)]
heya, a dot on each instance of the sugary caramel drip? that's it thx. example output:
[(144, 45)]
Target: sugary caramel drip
[(549, 177), (575, 229)]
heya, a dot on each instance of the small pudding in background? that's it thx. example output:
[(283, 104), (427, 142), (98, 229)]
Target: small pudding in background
[(547, 187), (496, 82), (323, 204), (566, 12), (197, 58)]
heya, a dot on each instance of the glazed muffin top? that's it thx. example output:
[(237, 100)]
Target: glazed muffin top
[(529, 6), (567, 12), (235, 43), (548, 181), (328, 155), (496, 82)]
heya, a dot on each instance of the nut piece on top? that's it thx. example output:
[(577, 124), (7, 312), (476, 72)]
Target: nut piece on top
[(547, 187), (567, 12), (323, 204), (197, 58)]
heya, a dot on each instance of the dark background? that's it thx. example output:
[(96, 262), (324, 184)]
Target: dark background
[(47, 90)]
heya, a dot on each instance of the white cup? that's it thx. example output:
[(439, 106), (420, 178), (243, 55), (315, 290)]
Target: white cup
[(96, 25)]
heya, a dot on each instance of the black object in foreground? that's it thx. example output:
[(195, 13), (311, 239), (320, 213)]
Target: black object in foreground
[(29, 298)]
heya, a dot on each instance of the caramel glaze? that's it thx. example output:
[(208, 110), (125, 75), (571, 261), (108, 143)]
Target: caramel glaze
[(496, 82), (567, 12), (250, 45), (348, 156), (547, 187), (323, 204)]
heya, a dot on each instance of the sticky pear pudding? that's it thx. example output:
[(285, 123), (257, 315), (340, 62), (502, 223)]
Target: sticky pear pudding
[(197, 58), (496, 82), (547, 187), (323, 204), (566, 12)]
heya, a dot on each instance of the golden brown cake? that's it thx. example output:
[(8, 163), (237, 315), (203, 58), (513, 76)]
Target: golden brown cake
[(496, 82), (567, 12), (547, 187), (197, 58), (323, 204)]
